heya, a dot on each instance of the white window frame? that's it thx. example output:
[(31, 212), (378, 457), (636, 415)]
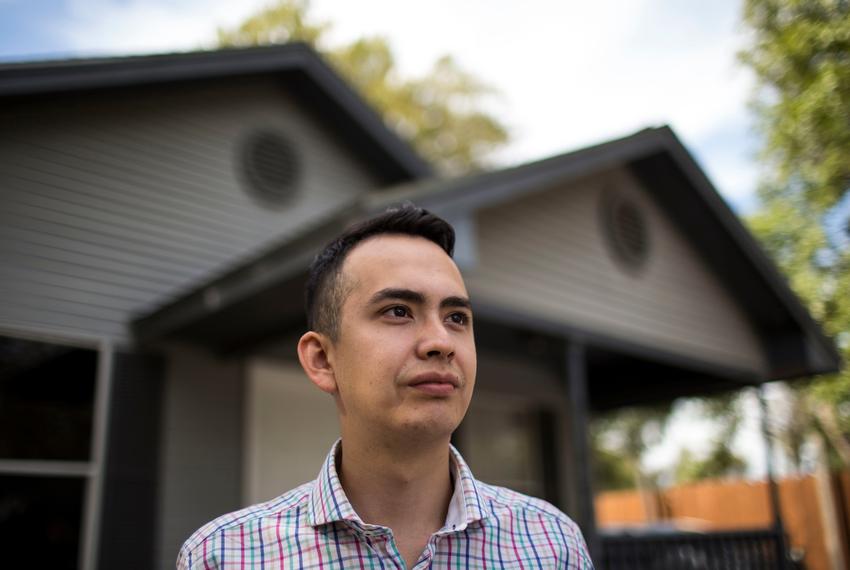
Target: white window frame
[(92, 470)]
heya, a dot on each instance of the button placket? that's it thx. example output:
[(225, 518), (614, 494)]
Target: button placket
[(427, 555), (375, 537), (392, 550)]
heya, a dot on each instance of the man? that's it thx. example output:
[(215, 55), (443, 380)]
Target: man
[(391, 340)]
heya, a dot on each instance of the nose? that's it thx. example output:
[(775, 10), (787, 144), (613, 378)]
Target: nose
[(435, 340)]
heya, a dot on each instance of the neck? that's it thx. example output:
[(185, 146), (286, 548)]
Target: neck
[(386, 482)]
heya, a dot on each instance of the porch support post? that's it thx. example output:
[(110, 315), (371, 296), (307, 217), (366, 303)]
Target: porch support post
[(773, 488), (581, 489), (771, 476)]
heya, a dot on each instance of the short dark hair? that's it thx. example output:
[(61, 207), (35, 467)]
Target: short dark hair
[(325, 291)]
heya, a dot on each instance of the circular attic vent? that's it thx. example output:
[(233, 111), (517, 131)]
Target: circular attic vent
[(271, 167), (626, 230)]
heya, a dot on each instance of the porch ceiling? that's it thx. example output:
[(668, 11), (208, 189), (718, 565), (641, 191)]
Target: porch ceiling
[(619, 374), (616, 380)]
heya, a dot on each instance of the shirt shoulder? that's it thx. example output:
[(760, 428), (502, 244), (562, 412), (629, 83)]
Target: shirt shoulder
[(505, 504), (202, 545), (500, 500)]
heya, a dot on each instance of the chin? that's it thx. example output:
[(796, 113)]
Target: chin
[(429, 428)]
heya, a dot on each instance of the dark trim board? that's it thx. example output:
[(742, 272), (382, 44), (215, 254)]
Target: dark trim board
[(576, 372), (128, 519)]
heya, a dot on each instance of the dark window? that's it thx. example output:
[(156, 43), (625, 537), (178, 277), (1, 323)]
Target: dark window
[(46, 400), (40, 521)]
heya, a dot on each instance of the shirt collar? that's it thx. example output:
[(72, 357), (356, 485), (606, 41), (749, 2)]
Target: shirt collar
[(466, 504), (328, 502)]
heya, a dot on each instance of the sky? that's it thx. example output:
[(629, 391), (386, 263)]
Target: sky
[(567, 74)]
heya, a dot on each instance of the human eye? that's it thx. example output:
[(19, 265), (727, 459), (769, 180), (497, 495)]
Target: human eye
[(397, 312), (459, 318)]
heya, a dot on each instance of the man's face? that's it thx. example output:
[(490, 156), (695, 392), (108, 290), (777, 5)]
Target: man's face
[(404, 361)]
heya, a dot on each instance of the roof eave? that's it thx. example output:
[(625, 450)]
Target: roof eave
[(249, 279), (44, 78), (492, 188), (818, 353), (828, 359)]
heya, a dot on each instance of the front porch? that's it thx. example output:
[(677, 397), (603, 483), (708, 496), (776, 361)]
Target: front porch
[(538, 384)]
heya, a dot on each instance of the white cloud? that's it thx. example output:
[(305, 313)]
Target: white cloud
[(577, 73)]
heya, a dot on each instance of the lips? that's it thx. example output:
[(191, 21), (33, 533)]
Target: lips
[(435, 383)]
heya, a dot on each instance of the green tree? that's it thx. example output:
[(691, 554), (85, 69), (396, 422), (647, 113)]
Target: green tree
[(792, 428), (799, 52), (720, 461), (611, 471), (438, 112), (620, 440)]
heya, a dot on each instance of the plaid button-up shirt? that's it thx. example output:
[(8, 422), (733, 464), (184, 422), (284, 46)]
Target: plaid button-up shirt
[(314, 526)]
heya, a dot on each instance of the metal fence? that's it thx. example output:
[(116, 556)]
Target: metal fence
[(734, 550)]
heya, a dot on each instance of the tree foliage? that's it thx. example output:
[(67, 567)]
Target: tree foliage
[(800, 53), (611, 472), (278, 23), (720, 461), (620, 439), (438, 112)]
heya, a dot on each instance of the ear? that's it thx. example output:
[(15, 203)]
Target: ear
[(313, 354)]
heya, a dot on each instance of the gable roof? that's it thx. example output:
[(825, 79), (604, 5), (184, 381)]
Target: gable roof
[(794, 343), (676, 182), (312, 80)]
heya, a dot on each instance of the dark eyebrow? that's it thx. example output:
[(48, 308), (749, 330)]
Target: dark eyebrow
[(457, 302), (416, 297), (399, 294)]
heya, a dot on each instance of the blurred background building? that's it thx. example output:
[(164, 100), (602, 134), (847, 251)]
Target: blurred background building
[(158, 216)]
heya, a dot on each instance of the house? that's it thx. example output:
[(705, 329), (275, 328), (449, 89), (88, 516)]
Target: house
[(157, 216)]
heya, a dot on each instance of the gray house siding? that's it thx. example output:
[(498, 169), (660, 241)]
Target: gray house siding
[(561, 269), (111, 207), (201, 446)]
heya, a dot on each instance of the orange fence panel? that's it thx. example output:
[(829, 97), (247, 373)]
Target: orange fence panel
[(737, 505)]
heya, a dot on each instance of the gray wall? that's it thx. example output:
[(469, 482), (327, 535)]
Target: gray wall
[(201, 456), (289, 427), (560, 268), (112, 206)]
